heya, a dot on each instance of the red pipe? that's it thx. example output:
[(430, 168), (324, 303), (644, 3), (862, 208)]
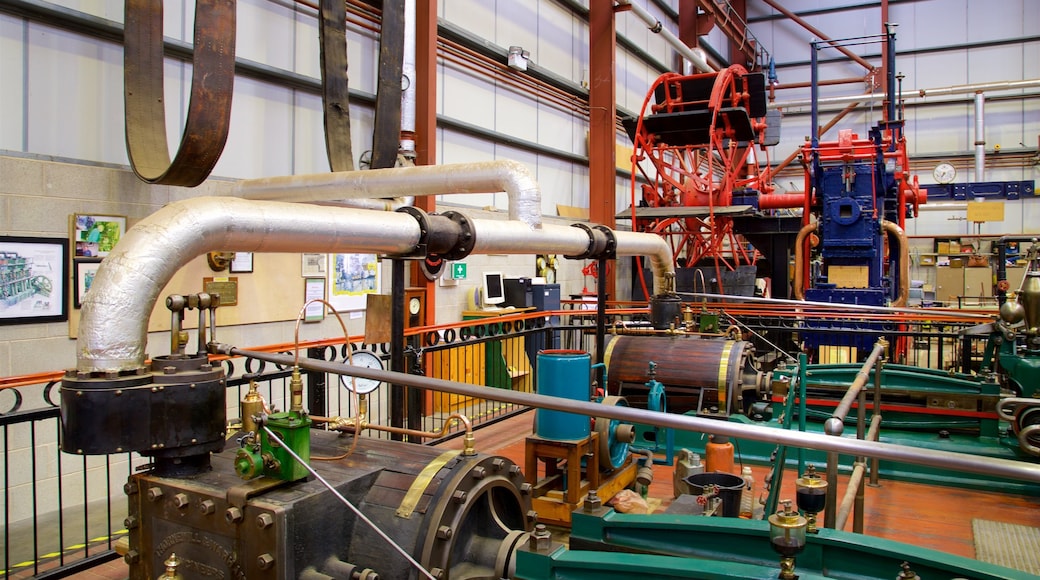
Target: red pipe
[(780, 200)]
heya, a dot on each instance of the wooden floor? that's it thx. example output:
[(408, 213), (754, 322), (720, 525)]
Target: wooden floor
[(923, 515)]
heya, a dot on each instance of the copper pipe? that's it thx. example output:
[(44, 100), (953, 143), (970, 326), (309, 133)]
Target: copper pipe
[(904, 261), (348, 425), (801, 22), (798, 285), (842, 81)]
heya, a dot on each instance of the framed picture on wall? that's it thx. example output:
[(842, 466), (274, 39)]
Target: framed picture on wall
[(351, 278), (242, 263), (33, 280), (94, 235), (83, 272), (314, 265)]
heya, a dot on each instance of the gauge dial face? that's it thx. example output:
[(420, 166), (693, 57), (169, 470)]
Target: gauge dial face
[(414, 305), (944, 173), (366, 359)]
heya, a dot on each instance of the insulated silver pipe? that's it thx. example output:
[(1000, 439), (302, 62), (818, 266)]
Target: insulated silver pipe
[(114, 319), (994, 467), (408, 72), (512, 177), (499, 237), (695, 56), (910, 94), (980, 137)]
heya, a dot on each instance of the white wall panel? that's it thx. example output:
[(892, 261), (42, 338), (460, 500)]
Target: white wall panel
[(459, 148), (560, 129), (260, 114), (468, 98), (12, 88), (74, 96), (997, 20), (308, 134), (555, 180), (476, 16), (935, 70), (516, 114), (516, 24), (554, 47), (306, 52), (265, 33)]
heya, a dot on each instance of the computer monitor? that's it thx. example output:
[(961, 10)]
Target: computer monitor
[(493, 291)]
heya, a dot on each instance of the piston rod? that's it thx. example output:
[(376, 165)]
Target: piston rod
[(931, 457)]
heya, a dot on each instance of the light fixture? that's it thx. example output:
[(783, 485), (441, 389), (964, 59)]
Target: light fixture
[(518, 58)]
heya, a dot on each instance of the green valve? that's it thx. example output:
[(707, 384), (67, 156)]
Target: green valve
[(295, 430)]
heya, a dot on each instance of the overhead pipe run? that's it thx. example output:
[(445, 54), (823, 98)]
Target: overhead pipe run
[(868, 98), (346, 187), (980, 137), (114, 317), (696, 56)]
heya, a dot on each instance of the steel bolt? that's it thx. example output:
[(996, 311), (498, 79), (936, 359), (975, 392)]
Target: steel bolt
[(532, 516), (265, 561), (169, 371), (130, 522), (498, 464), (592, 502), (525, 488), (514, 469), (437, 573), (541, 538), (132, 557), (233, 515), (478, 473), (181, 500), (207, 506), (444, 533), (459, 496), (154, 494), (129, 488), (264, 521)]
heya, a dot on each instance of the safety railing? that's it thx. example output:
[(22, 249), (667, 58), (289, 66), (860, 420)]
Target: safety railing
[(836, 515)]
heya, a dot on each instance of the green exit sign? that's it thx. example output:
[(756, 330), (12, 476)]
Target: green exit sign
[(458, 271)]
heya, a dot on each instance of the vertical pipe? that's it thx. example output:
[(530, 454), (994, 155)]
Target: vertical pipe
[(601, 308), (803, 378), (890, 74), (980, 137), (857, 512), (875, 409), (426, 125), (408, 72), (815, 95), (397, 392), (830, 518)]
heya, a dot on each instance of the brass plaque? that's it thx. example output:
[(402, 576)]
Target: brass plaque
[(226, 287)]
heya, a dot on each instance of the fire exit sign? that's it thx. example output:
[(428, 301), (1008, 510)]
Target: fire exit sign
[(458, 271)]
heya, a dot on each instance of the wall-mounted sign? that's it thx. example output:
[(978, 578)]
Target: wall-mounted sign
[(226, 287)]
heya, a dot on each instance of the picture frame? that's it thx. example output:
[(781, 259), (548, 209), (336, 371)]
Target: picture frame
[(94, 235), (83, 272), (314, 265), (351, 278), (242, 263), (314, 288), (34, 274)]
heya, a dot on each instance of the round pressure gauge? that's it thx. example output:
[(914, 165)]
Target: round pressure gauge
[(366, 359), (944, 173), (414, 305)]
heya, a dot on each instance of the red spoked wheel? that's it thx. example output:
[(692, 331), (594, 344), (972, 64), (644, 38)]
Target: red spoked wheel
[(694, 145)]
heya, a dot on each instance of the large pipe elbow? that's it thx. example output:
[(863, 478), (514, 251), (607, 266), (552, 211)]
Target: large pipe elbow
[(798, 284), (114, 317), (353, 187), (904, 261), (657, 249)]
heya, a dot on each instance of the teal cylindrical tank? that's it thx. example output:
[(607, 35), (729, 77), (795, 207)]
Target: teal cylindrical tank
[(563, 373)]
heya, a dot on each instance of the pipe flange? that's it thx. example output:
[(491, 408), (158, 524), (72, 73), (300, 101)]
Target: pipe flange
[(466, 239), (421, 247), (602, 243)]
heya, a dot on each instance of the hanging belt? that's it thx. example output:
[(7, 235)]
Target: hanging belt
[(386, 136), (209, 108), (332, 34)]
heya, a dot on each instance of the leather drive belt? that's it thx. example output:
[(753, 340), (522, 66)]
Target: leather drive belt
[(386, 136), (209, 108), (332, 34)]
